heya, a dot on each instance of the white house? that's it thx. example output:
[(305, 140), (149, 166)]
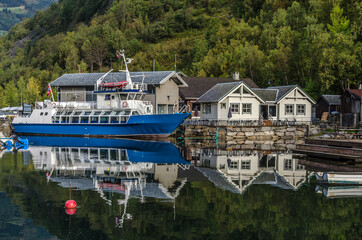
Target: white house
[(237, 101)]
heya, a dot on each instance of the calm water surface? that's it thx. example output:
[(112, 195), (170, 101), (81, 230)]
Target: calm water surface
[(147, 190)]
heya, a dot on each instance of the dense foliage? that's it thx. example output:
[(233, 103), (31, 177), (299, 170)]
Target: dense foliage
[(313, 43), (13, 11)]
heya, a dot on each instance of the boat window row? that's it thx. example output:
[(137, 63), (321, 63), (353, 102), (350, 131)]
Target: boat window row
[(129, 96), (93, 116), (86, 155)]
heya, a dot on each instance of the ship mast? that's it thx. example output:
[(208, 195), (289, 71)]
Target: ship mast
[(126, 61)]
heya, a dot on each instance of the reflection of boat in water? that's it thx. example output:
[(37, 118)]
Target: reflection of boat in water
[(108, 150), (353, 178), (339, 191)]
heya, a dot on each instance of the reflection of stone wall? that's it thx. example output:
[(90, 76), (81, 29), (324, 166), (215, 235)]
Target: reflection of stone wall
[(242, 137), (5, 128)]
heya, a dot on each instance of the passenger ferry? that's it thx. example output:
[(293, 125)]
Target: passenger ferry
[(119, 111)]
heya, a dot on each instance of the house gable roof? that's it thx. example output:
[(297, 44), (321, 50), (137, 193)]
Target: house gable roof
[(356, 93), (268, 95), (283, 91), (332, 99), (197, 86), (90, 79), (221, 90)]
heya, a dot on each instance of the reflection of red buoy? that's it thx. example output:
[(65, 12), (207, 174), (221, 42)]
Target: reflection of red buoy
[(70, 204), (70, 211)]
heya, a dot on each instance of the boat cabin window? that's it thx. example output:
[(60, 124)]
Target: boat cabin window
[(84, 119), (75, 119), (41, 114), (124, 119), (55, 119), (107, 97), (64, 119), (86, 113), (114, 119), (138, 97), (114, 113), (113, 97), (94, 119), (123, 96), (96, 113), (106, 113), (104, 119), (135, 113), (58, 113), (67, 112), (46, 113), (131, 96), (77, 113)]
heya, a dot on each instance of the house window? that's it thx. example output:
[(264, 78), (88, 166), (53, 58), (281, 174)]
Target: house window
[(161, 109), (300, 109), (287, 164), (234, 165), (170, 109), (245, 165), (289, 109), (273, 111), (246, 108), (223, 105), (207, 108), (235, 107)]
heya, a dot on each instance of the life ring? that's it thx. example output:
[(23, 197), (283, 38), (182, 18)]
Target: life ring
[(124, 168), (124, 104), (53, 104)]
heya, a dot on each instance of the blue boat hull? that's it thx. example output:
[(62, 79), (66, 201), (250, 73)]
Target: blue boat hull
[(143, 125)]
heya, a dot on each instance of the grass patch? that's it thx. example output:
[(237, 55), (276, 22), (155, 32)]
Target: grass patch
[(2, 32), (16, 10)]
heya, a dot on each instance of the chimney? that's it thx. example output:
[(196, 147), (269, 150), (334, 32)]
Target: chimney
[(236, 76)]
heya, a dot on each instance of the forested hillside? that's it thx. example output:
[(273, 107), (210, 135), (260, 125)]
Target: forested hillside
[(13, 11), (313, 43)]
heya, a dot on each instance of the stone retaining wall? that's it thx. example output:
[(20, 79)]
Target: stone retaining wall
[(240, 137)]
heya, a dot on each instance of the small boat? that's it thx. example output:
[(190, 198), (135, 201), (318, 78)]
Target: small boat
[(120, 84), (348, 191), (117, 109), (351, 178)]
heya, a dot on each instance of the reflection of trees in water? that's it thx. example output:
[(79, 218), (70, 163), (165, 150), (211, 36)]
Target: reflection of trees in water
[(202, 211)]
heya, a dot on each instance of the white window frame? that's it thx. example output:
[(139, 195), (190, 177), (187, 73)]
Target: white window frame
[(286, 109), (298, 110), (234, 107), (245, 165), (206, 108), (246, 107)]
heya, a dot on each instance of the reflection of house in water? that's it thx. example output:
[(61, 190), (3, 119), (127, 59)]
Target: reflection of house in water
[(243, 168), (107, 167)]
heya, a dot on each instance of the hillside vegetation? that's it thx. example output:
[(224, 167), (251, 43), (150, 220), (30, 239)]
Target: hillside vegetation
[(13, 11), (313, 43)]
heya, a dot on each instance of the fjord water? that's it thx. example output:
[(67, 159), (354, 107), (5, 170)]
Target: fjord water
[(146, 190)]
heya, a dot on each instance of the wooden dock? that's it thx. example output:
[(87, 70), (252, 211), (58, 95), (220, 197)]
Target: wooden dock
[(333, 149)]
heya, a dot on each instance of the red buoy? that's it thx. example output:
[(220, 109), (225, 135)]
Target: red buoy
[(70, 211), (70, 204)]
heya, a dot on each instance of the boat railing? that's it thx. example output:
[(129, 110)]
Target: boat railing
[(185, 109)]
